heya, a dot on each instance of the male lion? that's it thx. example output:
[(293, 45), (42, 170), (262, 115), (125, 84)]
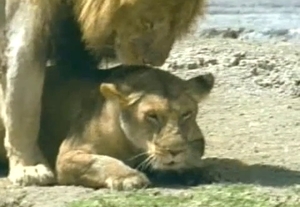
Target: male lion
[(77, 33), (98, 131)]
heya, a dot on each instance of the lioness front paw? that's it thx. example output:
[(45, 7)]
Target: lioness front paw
[(135, 180), (31, 175)]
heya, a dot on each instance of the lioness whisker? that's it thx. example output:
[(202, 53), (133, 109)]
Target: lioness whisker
[(144, 164), (137, 156), (141, 164), (147, 163), (147, 166)]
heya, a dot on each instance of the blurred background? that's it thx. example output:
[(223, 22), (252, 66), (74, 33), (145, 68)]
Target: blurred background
[(253, 19)]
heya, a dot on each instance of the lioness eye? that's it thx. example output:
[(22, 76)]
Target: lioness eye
[(186, 115), (152, 117)]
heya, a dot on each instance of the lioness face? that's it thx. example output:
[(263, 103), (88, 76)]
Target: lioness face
[(162, 123), (166, 129), (146, 30)]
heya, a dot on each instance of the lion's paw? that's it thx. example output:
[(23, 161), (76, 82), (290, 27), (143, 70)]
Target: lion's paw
[(134, 180), (31, 175)]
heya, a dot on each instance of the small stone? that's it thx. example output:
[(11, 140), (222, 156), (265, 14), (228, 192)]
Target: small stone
[(254, 71), (240, 54), (243, 62), (201, 61), (211, 62), (234, 61), (192, 65), (232, 34), (295, 92), (156, 193), (263, 83), (265, 64), (175, 66)]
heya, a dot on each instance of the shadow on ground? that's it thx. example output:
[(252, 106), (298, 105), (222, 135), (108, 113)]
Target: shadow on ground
[(222, 170), (3, 170), (236, 171)]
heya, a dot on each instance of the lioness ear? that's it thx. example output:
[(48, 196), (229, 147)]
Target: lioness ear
[(110, 91), (199, 87)]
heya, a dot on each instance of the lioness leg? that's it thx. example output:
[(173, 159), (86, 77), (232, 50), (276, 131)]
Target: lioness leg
[(24, 79), (96, 171)]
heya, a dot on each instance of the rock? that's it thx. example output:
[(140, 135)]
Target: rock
[(240, 54), (265, 64), (201, 61), (295, 92), (192, 65), (263, 83), (209, 33), (243, 62), (224, 33), (234, 61), (254, 71), (211, 62), (175, 66), (229, 33)]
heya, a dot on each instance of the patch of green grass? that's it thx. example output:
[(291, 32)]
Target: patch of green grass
[(206, 196)]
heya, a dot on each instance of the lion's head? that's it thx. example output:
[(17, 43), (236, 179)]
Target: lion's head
[(143, 31), (160, 118)]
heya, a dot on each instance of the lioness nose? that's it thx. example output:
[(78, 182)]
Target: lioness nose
[(174, 152)]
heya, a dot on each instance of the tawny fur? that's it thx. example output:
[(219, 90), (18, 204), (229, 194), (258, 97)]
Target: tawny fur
[(136, 31), (96, 130), (77, 34)]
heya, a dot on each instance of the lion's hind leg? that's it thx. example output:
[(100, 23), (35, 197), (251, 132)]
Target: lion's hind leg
[(96, 171)]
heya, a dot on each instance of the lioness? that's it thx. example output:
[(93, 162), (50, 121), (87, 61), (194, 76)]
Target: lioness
[(99, 131)]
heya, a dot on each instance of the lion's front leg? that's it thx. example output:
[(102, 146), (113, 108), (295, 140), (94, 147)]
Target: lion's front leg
[(23, 85), (96, 171)]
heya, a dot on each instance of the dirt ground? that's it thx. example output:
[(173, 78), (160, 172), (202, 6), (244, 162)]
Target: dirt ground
[(251, 120)]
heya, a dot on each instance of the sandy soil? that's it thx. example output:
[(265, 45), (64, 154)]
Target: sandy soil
[(251, 120)]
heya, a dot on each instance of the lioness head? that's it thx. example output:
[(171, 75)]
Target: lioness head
[(140, 31), (160, 118)]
